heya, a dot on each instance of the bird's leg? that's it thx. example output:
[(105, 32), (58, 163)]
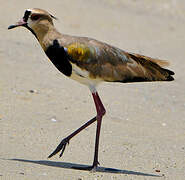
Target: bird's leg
[(65, 141), (100, 112)]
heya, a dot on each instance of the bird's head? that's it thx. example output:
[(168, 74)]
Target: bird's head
[(36, 20)]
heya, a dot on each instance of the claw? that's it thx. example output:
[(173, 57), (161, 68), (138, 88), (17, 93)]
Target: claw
[(60, 147), (63, 149), (95, 165)]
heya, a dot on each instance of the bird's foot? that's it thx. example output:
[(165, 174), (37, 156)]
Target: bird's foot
[(93, 168), (61, 147)]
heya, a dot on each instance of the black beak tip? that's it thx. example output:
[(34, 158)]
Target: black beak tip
[(11, 26)]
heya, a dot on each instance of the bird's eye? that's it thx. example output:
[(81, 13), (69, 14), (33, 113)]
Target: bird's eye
[(35, 17)]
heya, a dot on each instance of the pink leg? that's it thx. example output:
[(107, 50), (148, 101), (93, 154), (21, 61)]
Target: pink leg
[(61, 147), (100, 112)]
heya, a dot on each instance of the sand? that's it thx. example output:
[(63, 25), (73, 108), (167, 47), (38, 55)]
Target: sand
[(143, 132)]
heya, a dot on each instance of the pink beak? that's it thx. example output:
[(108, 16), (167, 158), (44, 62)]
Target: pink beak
[(19, 23)]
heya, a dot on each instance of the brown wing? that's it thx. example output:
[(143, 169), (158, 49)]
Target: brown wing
[(113, 64)]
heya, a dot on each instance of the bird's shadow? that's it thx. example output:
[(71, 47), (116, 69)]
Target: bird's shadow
[(74, 166)]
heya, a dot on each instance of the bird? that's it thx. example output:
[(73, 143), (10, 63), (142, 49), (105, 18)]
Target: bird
[(90, 62)]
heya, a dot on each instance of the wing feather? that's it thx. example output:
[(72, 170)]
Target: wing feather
[(113, 64)]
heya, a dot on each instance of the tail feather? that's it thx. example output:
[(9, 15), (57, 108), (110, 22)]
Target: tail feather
[(154, 68), (170, 73), (162, 63)]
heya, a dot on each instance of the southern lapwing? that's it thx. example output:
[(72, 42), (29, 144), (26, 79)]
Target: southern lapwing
[(90, 62)]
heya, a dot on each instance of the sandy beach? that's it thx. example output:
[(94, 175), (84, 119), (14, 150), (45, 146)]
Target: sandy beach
[(143, 132)]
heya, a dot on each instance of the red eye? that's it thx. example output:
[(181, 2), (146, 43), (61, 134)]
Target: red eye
[(35, 17)]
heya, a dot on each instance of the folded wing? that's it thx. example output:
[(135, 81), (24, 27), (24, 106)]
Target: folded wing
[(113, 64)]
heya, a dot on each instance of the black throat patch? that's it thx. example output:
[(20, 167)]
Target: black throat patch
[(59, 58)]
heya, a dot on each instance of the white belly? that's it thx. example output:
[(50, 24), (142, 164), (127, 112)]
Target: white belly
[(82, 76)]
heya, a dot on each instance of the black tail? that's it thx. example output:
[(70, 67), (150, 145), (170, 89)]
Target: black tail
[(170, 73)]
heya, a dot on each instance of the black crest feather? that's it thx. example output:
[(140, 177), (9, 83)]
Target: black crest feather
[(53, 17)]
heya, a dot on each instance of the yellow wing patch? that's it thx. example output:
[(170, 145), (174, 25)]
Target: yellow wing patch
[(79, 51)]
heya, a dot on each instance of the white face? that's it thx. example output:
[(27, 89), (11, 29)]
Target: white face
[(33, 18), (31, 22)]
